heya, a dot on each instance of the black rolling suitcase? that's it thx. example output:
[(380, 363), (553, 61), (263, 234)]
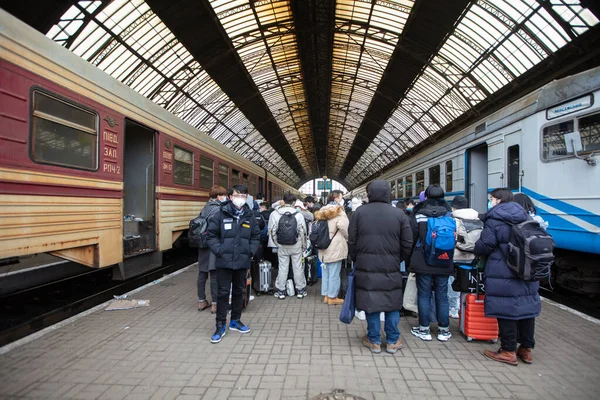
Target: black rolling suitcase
[(262, 277), (310, 270)]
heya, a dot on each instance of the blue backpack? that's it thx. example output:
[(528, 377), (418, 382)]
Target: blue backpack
[(440, 241)]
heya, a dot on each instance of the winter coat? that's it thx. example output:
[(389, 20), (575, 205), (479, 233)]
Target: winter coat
[(379, 240), (206, 258), (274, 225), (506, 295), (430, 208), (337, 221), (466, 218), (233, 237)]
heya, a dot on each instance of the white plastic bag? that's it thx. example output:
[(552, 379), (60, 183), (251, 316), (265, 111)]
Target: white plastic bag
[(409, 302), (289, 286)]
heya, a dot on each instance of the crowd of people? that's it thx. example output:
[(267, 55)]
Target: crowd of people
[(382, 243)]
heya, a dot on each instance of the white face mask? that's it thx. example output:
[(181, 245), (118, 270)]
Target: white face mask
[(239, 202), (340, 201)]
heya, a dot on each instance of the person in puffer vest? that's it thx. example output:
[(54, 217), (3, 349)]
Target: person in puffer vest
[(331, 257)]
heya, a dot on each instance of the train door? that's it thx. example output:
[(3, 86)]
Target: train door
[(270, 191), (476, 189), (512, 154), (139, 228)]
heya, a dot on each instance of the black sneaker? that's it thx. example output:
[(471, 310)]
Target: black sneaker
[(280, 294), (302, 293)]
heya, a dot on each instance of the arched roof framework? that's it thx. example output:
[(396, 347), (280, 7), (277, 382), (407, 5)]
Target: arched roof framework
[(340, 88)]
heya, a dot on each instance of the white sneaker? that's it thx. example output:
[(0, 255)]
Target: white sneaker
[(444, 336), (360, 315), (421, 333)]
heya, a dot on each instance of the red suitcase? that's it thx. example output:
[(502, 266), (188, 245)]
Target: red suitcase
[(473, 322)]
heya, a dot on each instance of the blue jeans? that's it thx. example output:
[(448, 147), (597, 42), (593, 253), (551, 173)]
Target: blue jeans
[(392, 331), (330, 281), (453, 297), (440, 287)]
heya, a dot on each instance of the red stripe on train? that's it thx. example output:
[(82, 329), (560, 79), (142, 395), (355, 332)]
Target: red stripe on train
[(43, 189)]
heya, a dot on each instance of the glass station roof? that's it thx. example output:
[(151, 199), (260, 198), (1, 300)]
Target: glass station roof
[(493, 42)]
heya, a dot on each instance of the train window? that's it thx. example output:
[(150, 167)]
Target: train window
[(400, 188), (409, 186), (434, 175), (63, 134), (246, 181), (224, 176), (183, 166), (420, 181), (393, 188), (513, 165), (252, 187), (235, 177), (448, 176), (553, 140), (207, 175), (589, 129)]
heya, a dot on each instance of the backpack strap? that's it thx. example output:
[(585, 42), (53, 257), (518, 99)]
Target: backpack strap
[(336, 231)]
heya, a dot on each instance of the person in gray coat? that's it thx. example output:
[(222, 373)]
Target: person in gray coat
[(291, 252), (380, 238), (206, 259)]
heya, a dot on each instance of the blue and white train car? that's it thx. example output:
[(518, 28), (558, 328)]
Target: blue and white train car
[(546, 145)]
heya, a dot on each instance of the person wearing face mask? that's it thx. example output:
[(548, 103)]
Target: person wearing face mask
[(513, 301), (308, 216), (206, 259), (410, 204), (233, 236)]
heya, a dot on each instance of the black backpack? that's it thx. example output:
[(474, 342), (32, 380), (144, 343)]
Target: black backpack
[(287, 229), (197, 232), (319, 235), (530, 251)]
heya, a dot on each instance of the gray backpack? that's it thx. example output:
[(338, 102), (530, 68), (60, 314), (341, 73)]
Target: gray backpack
[(468, 232), (530, 251)]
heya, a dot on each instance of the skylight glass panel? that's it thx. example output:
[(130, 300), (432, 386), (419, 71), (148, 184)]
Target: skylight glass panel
[(273, 63), (128, 41), (495, 42), (361, 53)]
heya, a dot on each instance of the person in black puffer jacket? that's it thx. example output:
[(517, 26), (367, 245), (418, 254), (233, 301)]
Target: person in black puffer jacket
[(234, 237), (206, 258), (513, 301), (379, 240), (434, 206)]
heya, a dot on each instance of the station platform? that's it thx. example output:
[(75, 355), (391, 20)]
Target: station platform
[(298, 349)]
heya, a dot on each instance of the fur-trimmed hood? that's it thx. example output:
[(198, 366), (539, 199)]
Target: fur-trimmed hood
[(329, 212)]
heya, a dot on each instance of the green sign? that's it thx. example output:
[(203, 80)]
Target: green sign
[(321, 185)]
